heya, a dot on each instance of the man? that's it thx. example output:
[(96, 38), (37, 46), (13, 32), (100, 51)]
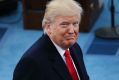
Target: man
[(46, 59)]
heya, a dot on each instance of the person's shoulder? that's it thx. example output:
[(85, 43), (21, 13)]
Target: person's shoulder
[(34, 48), (39, 50), (76, 46)]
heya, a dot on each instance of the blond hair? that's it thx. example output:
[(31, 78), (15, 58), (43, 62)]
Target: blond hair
[(61, 8)]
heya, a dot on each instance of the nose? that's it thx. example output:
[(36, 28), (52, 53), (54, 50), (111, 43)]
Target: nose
[(71, 29)]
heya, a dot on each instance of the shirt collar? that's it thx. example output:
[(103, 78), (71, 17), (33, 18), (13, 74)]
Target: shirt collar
[(59, 49)]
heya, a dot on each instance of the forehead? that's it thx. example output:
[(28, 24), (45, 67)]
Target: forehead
[(67, 19)]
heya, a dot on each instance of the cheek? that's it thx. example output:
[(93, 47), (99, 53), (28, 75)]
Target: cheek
[(53, 31), (77, 31), (58, 36)]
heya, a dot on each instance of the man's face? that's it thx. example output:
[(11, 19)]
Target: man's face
[(64, 30)]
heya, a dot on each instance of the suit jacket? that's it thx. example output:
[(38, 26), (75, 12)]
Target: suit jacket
[(43, 62)]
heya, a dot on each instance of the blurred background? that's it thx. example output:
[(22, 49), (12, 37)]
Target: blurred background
[(20, 27)]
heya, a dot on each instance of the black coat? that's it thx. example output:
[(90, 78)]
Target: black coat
[(43, 62)]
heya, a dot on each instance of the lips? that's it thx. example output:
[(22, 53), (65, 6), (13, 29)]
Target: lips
[(70, 38)]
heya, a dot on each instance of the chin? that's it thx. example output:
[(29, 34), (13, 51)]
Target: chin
[(71, 43)]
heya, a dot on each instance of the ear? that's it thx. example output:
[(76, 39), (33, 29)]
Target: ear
[(47, 27)]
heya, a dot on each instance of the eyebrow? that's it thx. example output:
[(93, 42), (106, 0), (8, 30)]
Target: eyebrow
[(66, 22)]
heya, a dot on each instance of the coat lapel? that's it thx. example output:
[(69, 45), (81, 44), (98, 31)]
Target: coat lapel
[(78, 62), (56, 60), (60, 67), (58, 64)]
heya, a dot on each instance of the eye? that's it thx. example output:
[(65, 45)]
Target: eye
[(76, 24), (64, 24)]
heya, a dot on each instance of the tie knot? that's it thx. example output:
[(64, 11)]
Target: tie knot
[(67, 53)]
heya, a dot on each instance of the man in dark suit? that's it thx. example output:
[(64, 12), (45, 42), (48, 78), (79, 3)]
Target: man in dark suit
[(46, 59)]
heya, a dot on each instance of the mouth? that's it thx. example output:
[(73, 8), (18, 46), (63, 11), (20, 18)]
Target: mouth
[(70, 38)]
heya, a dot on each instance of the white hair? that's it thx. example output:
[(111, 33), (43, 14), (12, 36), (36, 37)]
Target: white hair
[(61, 8)]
